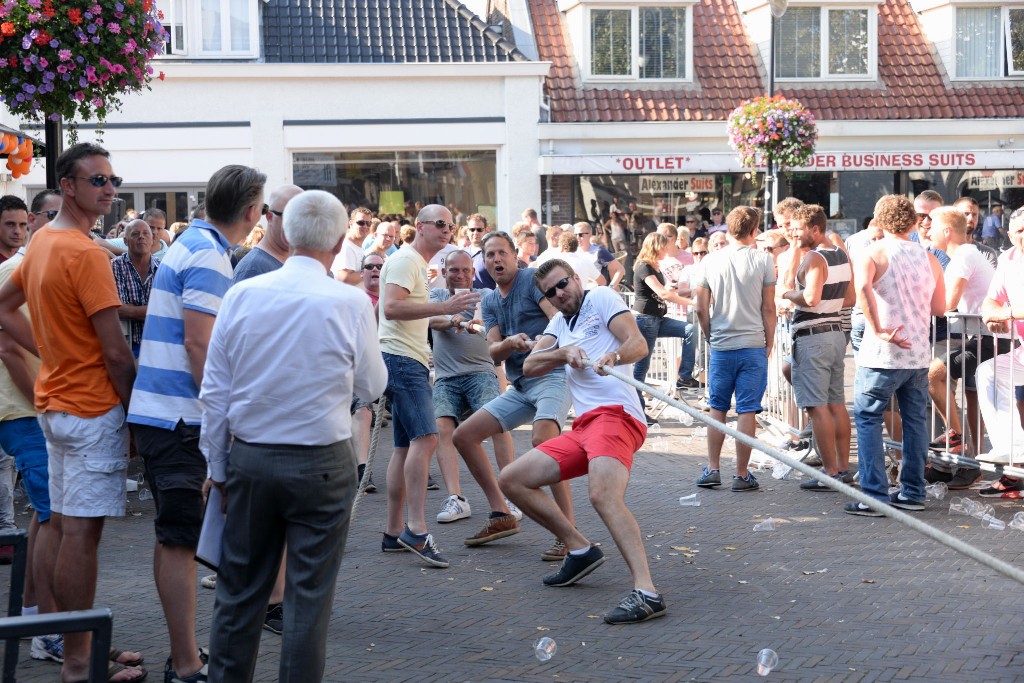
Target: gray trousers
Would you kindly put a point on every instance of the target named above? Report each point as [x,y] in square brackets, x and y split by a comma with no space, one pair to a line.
[301,495]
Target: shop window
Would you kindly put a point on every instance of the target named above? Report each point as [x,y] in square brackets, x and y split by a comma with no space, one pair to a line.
[989,42]
[211,28]
[826,43]
[401,183]
[646,43]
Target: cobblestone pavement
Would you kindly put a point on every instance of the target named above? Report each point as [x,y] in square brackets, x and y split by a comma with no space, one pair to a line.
[839,598]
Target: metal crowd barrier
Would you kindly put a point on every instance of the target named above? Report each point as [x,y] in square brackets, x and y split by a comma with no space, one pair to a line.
[99,621]
[970,331]
[780,414]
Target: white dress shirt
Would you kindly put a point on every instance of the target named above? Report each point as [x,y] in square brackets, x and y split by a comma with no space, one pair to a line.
[288,351]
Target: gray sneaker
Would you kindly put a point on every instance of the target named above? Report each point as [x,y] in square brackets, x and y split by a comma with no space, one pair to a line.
[709,478]
[748,484]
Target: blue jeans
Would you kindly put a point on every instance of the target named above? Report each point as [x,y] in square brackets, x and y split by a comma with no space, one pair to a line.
[873,388]
[653,327]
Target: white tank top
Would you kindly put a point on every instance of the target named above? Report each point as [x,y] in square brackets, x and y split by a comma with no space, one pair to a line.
[903,296]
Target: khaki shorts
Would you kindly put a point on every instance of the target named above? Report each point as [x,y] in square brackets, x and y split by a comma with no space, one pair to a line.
[88,461]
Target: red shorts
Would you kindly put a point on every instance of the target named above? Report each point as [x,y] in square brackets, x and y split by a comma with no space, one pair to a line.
[606,431]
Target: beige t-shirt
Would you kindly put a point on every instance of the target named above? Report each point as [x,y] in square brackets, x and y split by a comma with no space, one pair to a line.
[13,404]
[407,269]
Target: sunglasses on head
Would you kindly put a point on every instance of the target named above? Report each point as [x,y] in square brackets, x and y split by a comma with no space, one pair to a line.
[50,215]
[561,284]
[100,180]
[373,266]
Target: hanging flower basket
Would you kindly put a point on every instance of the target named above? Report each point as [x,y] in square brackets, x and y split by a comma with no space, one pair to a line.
[774,127]
[64,59]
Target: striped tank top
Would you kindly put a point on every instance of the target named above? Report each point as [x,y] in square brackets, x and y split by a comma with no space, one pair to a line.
[829,309]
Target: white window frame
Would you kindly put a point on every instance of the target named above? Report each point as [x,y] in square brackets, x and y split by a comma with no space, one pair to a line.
[823,74]
[1007,47]
[192,49]
[634,74]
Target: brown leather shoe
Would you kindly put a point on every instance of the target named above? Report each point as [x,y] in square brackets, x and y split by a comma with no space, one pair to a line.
[494,528]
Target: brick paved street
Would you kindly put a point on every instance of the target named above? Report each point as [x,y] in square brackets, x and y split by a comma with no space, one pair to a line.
[891,605]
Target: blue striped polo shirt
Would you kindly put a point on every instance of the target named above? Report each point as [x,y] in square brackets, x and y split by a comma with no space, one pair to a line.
[194,274]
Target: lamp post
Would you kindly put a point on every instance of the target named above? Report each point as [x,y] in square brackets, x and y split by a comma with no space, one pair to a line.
[778,9]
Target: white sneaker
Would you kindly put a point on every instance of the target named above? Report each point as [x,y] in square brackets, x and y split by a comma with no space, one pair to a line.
[516,512]
[453,510]
[209,582]
[48,647]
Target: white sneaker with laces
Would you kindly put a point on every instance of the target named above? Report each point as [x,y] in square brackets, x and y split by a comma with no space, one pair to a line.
[48,647]
[516,512]
[453,510]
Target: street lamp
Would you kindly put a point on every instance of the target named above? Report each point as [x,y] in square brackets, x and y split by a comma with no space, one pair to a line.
[778,9]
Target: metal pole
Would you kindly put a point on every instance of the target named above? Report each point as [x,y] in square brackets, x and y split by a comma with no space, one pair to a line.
[769,174]
[54,137]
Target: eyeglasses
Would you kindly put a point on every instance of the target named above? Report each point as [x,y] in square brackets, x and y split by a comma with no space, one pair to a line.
[100,180]
[51,214]
[267,209]
[373,266]
[439,224]
[699,253]
[476,229]
[363,224]
[582,234]
[924,217]
[690,222]
[561,284]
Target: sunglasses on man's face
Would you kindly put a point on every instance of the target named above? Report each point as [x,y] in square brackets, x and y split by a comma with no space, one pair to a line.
[439,224]
[363,224]
[50,215]
[100,180]
[561,284]
[373,266]
[475,229]
[700,253]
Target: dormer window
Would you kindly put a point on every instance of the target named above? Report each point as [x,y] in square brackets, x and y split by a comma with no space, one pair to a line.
[832,43]
[648,40]
[988,41]
[215,29]
[640,43]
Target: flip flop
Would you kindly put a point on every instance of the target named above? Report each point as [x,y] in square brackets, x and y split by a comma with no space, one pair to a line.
[116,668]
[115,656]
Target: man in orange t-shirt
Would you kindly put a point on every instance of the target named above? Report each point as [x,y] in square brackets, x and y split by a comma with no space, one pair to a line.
[84,381]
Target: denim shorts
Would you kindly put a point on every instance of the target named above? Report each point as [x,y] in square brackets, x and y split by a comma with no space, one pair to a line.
[88,460]
[461,396]
[23,439]
[740,371]
[410,394]
[531,399]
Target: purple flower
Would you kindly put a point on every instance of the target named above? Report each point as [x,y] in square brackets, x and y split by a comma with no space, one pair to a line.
[64,55]
[118,7]
[96,40]
[35,3]
[91,28]
[114,28]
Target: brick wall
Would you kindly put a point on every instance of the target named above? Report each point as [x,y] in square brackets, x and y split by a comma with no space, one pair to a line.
[561,197]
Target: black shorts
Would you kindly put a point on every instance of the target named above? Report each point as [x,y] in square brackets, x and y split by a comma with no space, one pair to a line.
[964,362]
[176,472]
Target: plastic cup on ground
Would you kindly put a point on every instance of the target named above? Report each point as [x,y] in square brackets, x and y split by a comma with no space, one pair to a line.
[993,522]
[1017,522]
[545,648]
[956,506]
[766,525]
[938,490]
[766,661]
[690,501]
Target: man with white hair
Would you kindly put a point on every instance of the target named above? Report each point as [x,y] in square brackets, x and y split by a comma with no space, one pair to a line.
[289,335]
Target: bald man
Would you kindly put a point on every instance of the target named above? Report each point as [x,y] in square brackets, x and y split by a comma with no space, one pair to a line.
[404,312]
[272,250]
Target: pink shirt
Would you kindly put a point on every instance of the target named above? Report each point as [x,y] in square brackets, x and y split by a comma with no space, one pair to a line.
[1008,283]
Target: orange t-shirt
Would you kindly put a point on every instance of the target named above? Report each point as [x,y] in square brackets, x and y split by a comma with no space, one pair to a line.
[66,279]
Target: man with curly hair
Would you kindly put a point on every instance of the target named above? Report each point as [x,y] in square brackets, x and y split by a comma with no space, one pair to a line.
[899,287]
